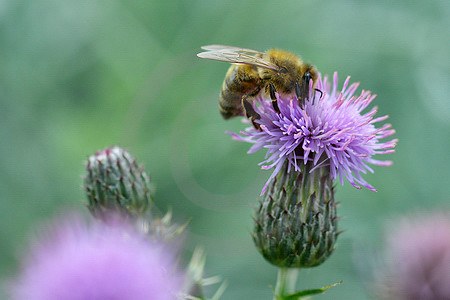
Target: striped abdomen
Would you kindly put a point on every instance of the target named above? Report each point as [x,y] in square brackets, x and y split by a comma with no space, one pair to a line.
[240,80]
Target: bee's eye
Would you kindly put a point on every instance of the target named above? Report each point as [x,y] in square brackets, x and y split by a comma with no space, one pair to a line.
[306,77]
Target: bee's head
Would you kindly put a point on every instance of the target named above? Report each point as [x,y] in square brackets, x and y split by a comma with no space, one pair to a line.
[302,85]
[309,73]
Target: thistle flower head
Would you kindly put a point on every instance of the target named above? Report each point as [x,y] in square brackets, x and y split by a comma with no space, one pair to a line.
[417,259]
[100,261]
[296,223]
[329,130]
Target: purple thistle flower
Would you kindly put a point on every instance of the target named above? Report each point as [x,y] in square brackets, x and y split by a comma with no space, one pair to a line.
[418,259]
[327,131]
[97,262]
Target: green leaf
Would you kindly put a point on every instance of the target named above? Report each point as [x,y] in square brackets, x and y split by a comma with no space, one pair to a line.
[305,293]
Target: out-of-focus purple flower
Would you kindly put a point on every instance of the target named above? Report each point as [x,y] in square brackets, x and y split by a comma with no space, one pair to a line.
[418,260]
[330,130]
[99,261]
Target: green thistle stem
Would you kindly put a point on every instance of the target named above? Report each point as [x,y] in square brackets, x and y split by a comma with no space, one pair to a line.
[286,281]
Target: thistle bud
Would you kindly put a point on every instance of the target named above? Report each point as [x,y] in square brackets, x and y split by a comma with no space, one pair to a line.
[115,183]
[296,223]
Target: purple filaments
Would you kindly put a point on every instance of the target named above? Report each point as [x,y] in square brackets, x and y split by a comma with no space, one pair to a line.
[327,131]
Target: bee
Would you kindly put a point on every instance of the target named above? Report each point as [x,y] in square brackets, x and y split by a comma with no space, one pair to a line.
[253,72]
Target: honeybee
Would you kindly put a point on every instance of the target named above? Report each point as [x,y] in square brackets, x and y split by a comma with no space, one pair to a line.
[253,72]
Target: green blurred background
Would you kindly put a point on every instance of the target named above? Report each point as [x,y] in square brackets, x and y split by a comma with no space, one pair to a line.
[78,76]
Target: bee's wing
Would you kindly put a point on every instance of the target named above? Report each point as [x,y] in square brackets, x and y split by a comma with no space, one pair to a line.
[223,47]
[236,56]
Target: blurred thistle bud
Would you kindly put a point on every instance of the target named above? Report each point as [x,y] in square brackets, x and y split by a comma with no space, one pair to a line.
[296,223]
[195,282]
[161,229]
[116,184]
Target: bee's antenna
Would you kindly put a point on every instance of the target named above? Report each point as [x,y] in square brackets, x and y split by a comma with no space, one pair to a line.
[321,95]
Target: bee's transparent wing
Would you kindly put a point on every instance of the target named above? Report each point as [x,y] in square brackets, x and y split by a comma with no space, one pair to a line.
[231,48]
[236,55]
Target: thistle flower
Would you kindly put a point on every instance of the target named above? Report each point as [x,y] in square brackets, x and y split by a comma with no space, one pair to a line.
[115,183]
[100,261]
[418,259]
[327,131]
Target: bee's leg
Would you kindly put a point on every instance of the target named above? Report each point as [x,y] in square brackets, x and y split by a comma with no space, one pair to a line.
[272,91]
[302,88]
[250,112]
[298,93]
